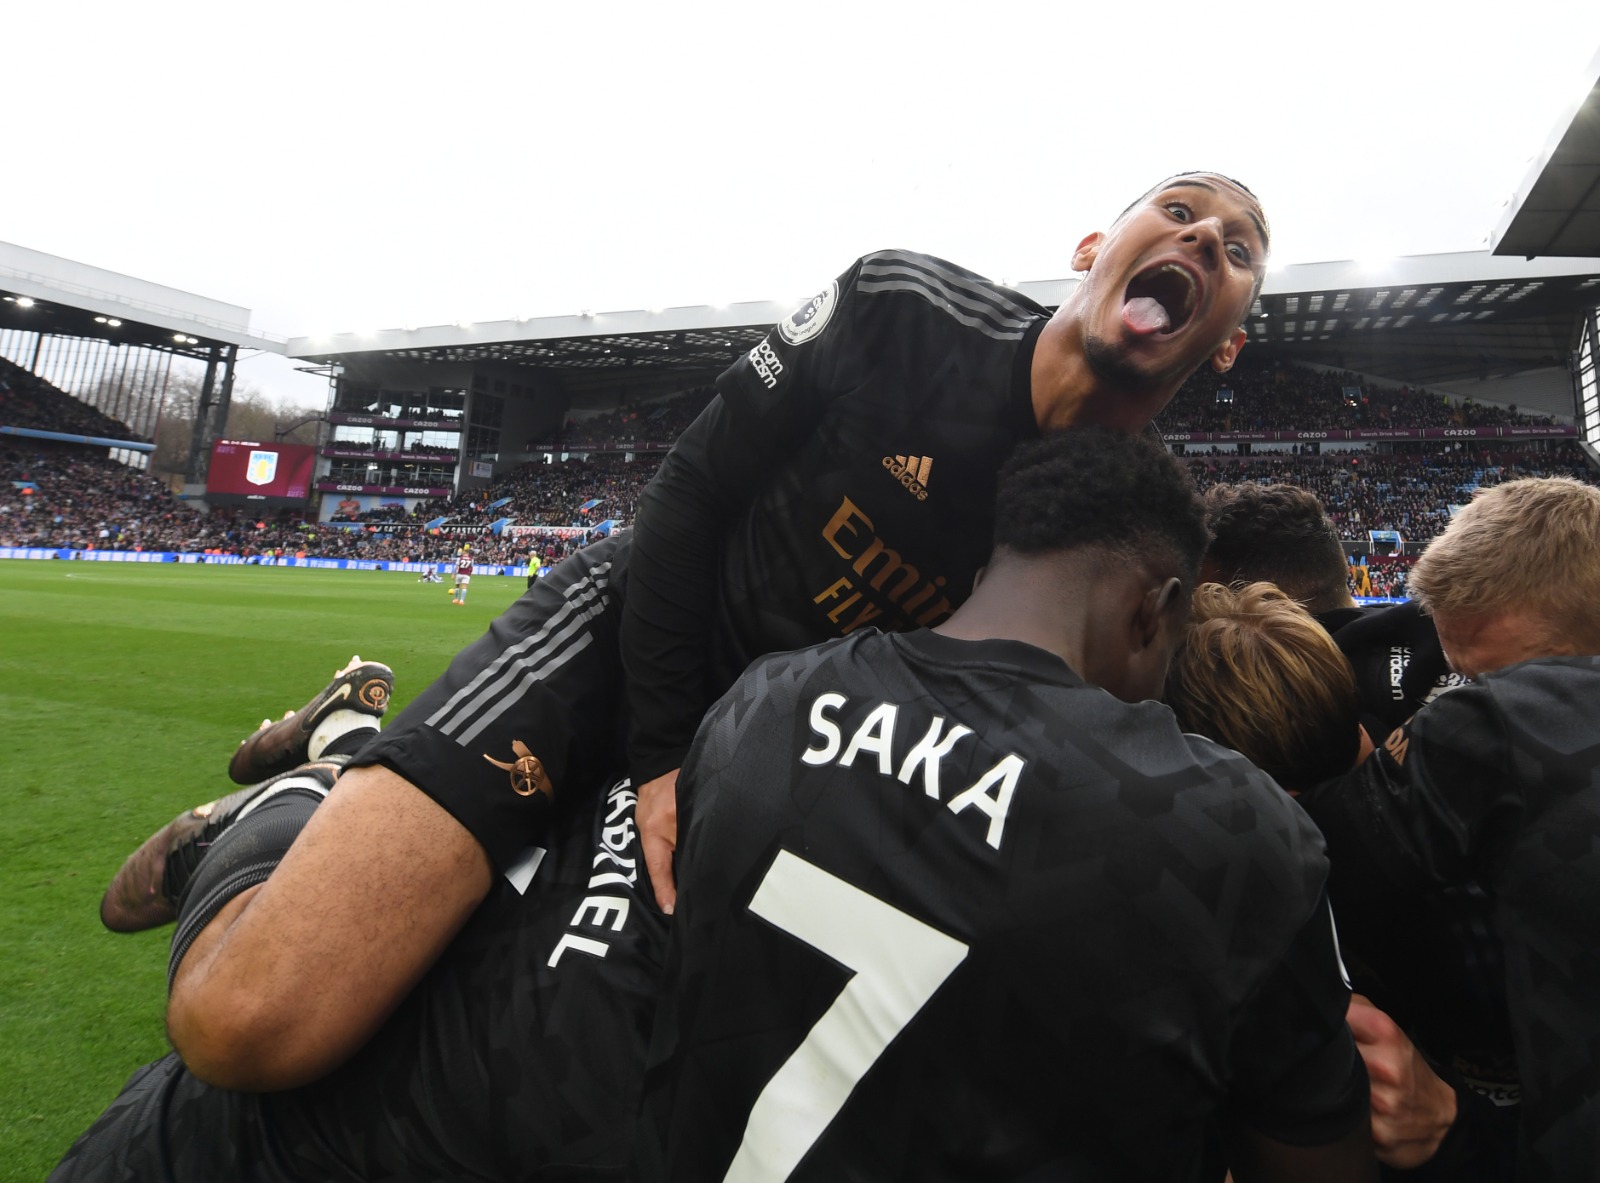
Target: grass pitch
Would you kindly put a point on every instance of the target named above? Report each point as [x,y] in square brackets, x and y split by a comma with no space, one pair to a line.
[124,688]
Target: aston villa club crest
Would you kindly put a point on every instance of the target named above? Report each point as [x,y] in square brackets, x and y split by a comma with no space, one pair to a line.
[263,467]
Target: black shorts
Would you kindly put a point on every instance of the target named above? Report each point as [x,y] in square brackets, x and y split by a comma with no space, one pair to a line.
[520,1054]
[546,679]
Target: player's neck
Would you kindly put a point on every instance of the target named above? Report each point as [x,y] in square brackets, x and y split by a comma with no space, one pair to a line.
[1031,604]
[1067,392]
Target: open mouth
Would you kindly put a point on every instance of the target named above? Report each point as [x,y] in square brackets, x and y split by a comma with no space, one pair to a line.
[1160,300]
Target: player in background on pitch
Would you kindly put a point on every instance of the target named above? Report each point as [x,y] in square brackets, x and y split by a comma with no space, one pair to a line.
[844,476]
[458,589]
[963,903]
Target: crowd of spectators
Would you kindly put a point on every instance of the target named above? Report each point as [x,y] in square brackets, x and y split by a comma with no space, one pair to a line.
[1385,576]
[1271,396]
[29,401]
[70,497]
[379,447]
[1408,493]
[63,495]
[639,424]
[66,496]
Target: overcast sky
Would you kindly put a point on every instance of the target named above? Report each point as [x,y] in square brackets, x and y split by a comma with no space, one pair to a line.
[341,166]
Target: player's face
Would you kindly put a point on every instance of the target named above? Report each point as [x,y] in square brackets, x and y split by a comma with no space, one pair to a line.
[1170,284]
[1481,644]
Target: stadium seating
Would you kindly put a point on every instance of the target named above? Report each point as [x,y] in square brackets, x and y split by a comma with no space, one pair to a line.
[80,498]
[30,401]
[1269,396]
[1408,493]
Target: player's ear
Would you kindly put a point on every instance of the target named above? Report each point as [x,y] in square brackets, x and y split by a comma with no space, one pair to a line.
[978,578]
[1088,251]
[1223,357]
[1158,603]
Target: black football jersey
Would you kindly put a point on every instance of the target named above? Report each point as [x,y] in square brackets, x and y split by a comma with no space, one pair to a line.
[843,477]
[946,912]
[1398,663]
[1432,962]
[1497,783]
[519,1056]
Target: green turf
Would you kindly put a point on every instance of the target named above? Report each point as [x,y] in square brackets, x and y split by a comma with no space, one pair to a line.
[123,690]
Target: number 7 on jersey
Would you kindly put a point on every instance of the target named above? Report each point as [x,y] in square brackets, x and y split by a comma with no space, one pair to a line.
[898,964]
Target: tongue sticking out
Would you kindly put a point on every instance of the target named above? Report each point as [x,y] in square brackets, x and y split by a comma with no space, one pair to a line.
[1145,315]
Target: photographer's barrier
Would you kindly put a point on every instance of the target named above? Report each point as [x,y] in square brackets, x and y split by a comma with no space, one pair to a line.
[167,556]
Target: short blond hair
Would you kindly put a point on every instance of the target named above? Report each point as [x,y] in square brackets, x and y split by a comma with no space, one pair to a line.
[1257,673]
[1531,546]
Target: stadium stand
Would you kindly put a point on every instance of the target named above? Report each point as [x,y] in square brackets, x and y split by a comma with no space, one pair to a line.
[65,496]
[1408,493]
[1266,394]
[30,401]
[647,425]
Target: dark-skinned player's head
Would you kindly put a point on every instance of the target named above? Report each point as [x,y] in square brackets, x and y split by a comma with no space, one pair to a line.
[1102,489]
[1170,283]
[1256,673]
[1098,524]
[1279,534]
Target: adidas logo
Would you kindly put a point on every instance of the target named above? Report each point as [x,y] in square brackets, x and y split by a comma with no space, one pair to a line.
[911,472]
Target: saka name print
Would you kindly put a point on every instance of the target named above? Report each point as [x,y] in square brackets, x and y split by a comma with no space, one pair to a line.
[875,737]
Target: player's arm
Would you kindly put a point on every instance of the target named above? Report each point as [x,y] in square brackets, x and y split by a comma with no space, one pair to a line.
[1424,809]
[1298,1104]
[1253,1157]
[768,402]
[292,977]
[1413,1109]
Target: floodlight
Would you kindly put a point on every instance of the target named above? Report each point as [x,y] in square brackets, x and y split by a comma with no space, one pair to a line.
[24,301]
[99,320]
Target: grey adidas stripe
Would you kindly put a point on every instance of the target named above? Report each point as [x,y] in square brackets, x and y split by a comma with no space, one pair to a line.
[966,284]
[946,304]
[524,682]
[529,660]
[993,319]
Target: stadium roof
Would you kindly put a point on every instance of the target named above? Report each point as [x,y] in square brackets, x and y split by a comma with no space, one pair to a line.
[48,294]
[1424,319]
[1556,209]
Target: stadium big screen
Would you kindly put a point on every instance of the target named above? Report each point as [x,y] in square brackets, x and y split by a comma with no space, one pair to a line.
[269,475]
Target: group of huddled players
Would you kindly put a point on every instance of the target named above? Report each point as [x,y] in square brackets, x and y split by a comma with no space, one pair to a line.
[828,824]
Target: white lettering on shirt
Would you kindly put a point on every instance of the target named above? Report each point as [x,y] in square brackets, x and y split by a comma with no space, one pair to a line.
[990,795]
